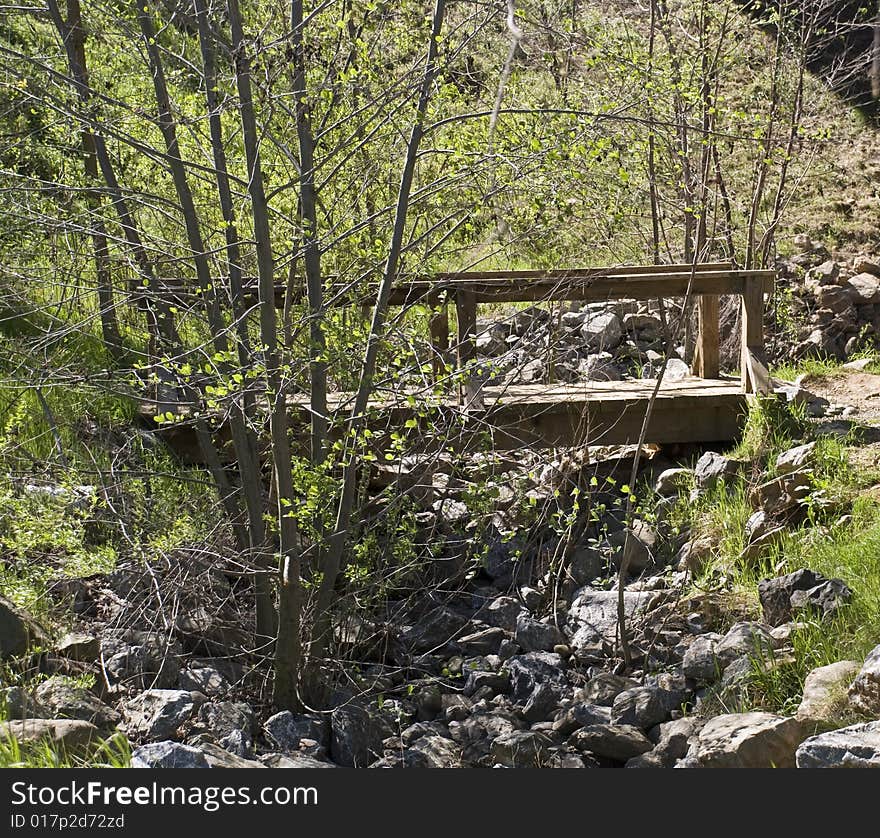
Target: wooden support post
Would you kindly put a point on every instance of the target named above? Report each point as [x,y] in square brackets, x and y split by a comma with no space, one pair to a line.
[439,326]
[466,310]
[755,378]
[706,363]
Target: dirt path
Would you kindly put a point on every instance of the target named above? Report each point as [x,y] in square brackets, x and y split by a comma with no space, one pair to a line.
[861,390]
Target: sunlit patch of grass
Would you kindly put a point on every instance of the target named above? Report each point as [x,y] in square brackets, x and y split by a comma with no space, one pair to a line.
[114,752]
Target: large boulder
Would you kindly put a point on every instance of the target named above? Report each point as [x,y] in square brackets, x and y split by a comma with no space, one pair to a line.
[536,636]
[68,702]
[592,619]
[804,590]
[287,730]
[672,738]
[432,752]
[538,684]
[18,630]
[746,740]
[857,746]
[521,749]
[68,735]
[355,736]
[644,707]
[141,659]
[154,715]
[825,693]
[714,468]
[615,742]
[864,693]
[168,754]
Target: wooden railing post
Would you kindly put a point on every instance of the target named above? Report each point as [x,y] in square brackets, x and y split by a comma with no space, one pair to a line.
[438,324]
[755,378]
[706,359]
[466,311]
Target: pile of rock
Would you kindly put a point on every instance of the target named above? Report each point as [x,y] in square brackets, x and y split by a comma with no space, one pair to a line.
[836,301]
[594,342]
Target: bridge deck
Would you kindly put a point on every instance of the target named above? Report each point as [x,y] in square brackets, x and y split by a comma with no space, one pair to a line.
[587,412]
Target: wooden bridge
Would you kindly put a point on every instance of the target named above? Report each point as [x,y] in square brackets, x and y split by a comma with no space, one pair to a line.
[703,407]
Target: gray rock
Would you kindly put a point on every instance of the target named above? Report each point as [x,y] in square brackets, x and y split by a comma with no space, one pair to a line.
[294,761]
[747,740]
[521,749]
[601,331]
[676,370]
[599,367]
[225,718]
[864,289]
[503,612]
[154,715]
[433,752]
[642,707]
[616,742]
[713,468]
[218,757]
[579,715]
[592,619]
[603,688]
[286,730]
[238,742]
[743,638]
[695,555]
[535,636]
[478,679]
[140,659]
[804,590]
[434,631]
[18,631]
[79,646]
[857,746]
[700,661]
[69,735]
[68,702]
[864,692]
[168,755]
[636,545]
[538,683]
[485,642]
[673,739]
[783,493]
[673,480]
[353,736]
[18,703]
[585,564]
[825,692]
[203,679]
[795,458]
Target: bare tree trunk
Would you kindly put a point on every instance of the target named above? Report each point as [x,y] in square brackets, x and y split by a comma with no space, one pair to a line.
[159,316]
[336,547]
[312,254]
[103,274]
[287,646]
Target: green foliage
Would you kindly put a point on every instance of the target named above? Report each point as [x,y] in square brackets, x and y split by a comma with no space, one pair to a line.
[114,752]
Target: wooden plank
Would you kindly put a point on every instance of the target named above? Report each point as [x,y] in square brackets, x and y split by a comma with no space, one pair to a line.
[706,359]
[592,288]
[755,377]
[563,273]
[577,285]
